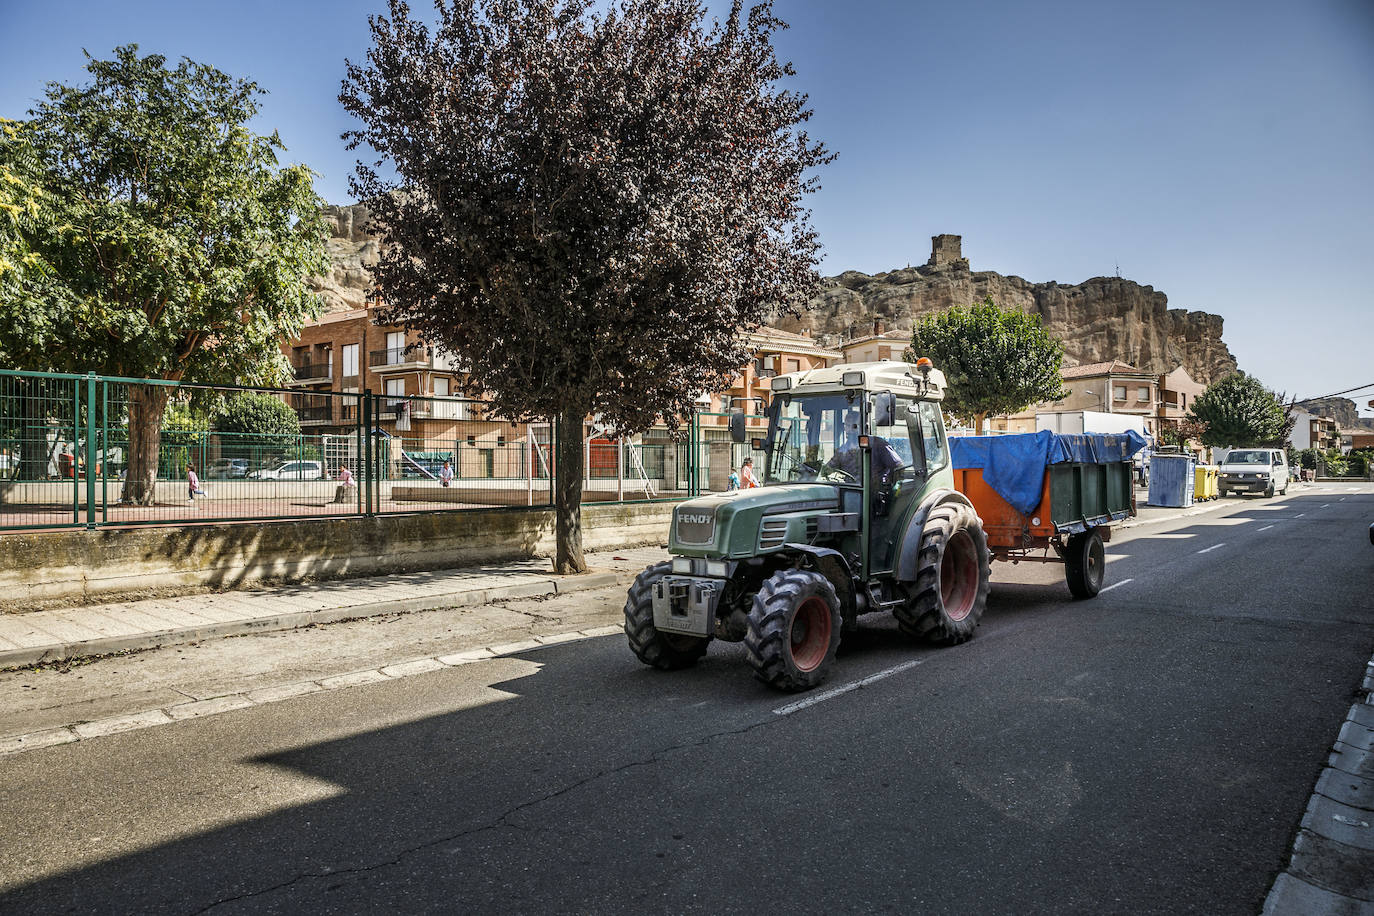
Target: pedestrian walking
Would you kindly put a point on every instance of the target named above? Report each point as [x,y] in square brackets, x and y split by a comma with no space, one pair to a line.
[732,483]
[446,475]
[746,474]
[193,488]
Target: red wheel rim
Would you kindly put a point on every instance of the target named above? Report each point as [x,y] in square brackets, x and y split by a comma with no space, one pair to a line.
[810,634]
[959,576]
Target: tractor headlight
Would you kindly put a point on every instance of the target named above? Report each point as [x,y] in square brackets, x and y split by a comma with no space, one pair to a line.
[682,566]
[717,569]
[852,380]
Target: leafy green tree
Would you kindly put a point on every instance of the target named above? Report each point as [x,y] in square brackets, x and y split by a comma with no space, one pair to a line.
[22,205]
[592,201]
[175,247]
[271,424]
[996,360]
[1240,412]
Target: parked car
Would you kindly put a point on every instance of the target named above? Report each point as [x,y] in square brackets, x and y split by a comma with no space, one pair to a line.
[291,470]
[227,468]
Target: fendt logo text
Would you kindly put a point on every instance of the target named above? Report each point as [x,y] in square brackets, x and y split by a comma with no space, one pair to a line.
[694,519]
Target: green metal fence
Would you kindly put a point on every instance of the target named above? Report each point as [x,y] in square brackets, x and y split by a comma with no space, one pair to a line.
[88,450]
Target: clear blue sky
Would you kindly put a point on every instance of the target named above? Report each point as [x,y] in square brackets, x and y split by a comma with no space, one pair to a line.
[1221,152]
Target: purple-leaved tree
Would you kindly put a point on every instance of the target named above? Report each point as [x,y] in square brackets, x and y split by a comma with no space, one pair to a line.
[588,206]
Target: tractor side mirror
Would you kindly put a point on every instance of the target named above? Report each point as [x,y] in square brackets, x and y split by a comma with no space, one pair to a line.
[884,408]
[738,430]
[756,444]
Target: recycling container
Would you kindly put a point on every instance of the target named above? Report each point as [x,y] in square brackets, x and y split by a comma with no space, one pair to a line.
[1204,482]
[1172,480]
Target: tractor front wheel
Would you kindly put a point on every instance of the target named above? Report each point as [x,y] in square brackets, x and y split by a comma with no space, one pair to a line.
[794,629]
[949,595]
[665,651]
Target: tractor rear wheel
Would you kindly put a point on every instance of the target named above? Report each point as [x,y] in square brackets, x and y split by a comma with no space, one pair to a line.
[947,599]
[665,651]
[794,629]
[1084,563]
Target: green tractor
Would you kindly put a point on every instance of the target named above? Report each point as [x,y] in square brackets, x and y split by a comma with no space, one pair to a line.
[856,514]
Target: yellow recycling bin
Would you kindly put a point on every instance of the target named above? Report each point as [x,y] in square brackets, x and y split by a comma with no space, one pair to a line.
[1204,482]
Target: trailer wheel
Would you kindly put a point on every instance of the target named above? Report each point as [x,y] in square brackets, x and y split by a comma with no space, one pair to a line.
[1084,563]
[794,629]
[664,651]
[947,599]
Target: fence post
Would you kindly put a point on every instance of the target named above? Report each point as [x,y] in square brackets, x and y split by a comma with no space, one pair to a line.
[76,451]
[367,468]
[620,469]
[104,450]
[90,450]
[694,456]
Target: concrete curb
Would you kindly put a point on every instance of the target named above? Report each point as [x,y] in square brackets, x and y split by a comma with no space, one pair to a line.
[477,595]
[1331,867]
[262,696]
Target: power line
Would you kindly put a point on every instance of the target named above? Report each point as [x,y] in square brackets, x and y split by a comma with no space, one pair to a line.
[1339,393]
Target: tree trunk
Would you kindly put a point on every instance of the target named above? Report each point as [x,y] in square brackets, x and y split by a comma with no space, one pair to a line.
[980,423]
[146,406]
[568,557]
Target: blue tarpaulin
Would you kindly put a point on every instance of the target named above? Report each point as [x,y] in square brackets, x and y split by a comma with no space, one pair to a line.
[1014,466]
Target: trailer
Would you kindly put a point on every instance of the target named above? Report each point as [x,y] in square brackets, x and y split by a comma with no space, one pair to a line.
[1050,498]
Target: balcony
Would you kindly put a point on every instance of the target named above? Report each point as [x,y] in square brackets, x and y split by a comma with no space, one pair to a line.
[399,359]
[313,373]
[315,415]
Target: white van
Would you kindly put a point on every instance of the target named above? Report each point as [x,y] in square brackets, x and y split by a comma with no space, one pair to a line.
[1253,470]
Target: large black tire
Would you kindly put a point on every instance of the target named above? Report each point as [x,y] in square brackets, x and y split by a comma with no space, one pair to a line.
[1085,561]
[794,629]
[665,651]
[950,593]
[1269,493]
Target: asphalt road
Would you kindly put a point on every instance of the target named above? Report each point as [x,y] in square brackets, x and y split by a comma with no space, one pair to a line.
[1151,750]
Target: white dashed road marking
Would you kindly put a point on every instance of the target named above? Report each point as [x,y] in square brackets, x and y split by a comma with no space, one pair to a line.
[1213,547]
[1115,585]
[1266,527]
[845,688]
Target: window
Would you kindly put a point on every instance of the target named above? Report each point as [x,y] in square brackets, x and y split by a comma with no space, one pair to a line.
[884,353]
[395,387]
[395,347]
[1119,392]
[794,365]
[933,437]
[350,360]
[1142,393]
[441,387]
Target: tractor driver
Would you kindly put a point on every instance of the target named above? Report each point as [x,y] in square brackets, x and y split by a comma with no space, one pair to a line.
[886,460]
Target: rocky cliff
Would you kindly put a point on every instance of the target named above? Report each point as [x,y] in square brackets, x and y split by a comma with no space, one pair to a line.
[1098,320]
[352,253]
[1342,410]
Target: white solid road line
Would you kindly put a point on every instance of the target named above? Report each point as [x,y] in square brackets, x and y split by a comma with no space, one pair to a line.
[1213,547]
[1266,527]
[845,688]
[1300,515]
[1115,585]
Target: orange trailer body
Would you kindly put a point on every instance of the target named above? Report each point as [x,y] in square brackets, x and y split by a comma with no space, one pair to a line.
[1005,526]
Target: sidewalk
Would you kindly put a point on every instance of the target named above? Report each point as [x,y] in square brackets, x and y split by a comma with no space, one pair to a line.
[100,629]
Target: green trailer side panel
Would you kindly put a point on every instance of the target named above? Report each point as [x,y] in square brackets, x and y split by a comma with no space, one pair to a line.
[1088,491]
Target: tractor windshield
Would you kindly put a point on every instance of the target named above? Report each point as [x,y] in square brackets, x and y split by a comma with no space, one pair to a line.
[805,432]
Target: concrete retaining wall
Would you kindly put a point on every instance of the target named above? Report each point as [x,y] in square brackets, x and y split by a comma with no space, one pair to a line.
[81,565]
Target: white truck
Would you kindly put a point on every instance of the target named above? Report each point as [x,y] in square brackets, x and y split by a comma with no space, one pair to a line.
[1077,422]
